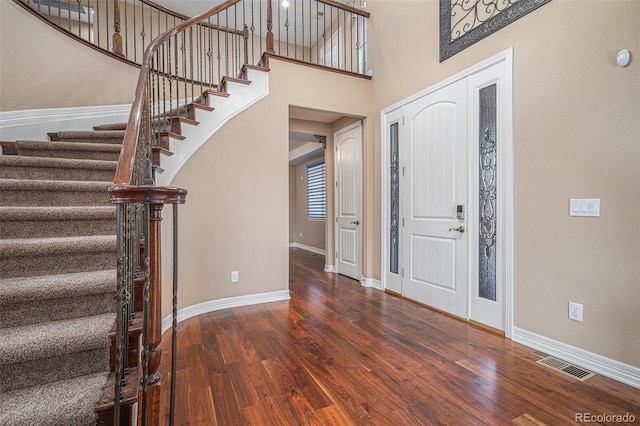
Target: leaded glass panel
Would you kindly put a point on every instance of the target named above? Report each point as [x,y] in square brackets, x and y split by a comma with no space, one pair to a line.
[394,174]
[487,201]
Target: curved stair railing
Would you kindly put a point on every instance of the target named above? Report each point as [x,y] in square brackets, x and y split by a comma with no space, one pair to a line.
[165,97]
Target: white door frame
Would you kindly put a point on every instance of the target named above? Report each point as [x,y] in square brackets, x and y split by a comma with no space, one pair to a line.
[504,181]
[359,204]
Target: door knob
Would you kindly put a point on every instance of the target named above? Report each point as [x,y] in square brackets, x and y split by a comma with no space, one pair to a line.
[459,229]
[357,222]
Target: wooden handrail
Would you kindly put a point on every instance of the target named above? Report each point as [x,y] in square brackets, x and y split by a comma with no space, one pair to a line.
[346,7]
[124,171]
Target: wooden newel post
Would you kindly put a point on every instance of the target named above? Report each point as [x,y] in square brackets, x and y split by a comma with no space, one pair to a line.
[270,41]
[152,408]
[117,37]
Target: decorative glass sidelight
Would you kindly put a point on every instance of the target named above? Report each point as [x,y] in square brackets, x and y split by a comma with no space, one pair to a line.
[394,239]
[487,202]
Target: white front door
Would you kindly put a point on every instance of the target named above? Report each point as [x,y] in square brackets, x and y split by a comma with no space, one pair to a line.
[348,200]
[434,161]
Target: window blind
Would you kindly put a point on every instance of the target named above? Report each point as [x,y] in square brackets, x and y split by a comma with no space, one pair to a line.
[316,191]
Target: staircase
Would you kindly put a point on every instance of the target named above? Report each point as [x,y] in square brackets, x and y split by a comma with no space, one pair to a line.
[58,277]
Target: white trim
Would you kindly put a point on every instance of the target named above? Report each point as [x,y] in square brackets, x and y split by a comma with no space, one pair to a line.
[608,367]
[226,303]
[330,268]
[242,96]
[34,124]
[308,248]
[371,282]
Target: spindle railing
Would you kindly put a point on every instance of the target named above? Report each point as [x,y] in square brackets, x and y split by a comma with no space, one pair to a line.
[325,33]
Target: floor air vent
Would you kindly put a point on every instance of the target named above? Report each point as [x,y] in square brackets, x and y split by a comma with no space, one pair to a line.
[566,368]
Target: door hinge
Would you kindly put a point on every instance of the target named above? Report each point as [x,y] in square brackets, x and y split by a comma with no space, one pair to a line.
[402,170]
[402,272]
[336,255]
[336,220]
[403,221]
[403,120]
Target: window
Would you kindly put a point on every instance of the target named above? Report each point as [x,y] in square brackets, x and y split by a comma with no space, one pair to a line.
[316,191]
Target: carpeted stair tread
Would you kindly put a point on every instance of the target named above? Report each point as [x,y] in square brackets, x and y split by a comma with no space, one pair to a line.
[46,246]
[28,257]
[66,402]
[57,221]
[25,289]
[45,340]
[91,136]
[47,185]
[40,192]
[57,213]
[27,167]
[111,126]
[79,150]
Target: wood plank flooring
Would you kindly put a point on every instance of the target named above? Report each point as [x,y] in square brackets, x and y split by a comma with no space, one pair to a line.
[341,354]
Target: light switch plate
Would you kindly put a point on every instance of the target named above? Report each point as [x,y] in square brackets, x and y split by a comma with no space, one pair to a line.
[584,207]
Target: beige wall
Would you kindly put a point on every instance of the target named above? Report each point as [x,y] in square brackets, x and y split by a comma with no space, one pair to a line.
[237,212]
[576,135]
[42,68]
[310,232]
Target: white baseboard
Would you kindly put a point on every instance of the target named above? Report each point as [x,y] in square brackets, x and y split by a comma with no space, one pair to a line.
[608,367]
[370,282]
[308,248]
[329,268]
[228,302]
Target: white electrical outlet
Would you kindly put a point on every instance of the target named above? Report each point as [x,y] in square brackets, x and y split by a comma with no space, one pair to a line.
[575,311]
[234,276]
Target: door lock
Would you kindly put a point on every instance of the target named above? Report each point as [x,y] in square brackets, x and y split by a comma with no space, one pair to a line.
[459,229]
[357,222]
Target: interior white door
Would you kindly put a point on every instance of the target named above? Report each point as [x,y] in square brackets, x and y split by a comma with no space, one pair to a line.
[348,200]
[435,173]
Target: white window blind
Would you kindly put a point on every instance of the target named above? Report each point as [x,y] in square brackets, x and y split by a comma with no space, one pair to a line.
[316,191]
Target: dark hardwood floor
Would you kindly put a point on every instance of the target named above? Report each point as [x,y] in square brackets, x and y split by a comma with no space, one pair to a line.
[341,354]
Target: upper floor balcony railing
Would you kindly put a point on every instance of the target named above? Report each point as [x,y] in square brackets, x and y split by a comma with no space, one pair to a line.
[326,33]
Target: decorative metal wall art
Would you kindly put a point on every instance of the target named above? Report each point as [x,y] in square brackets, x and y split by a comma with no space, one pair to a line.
[487,194]
[464,22]
[394,237]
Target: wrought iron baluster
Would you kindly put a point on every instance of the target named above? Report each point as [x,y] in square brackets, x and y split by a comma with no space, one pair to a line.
[219,57]
[191,63]
[226,43]
[174,317]
[286,26]
[183,48]
[252,28]
[145,333]
[210,52]
[143,33]
[135,37]
[260,25]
